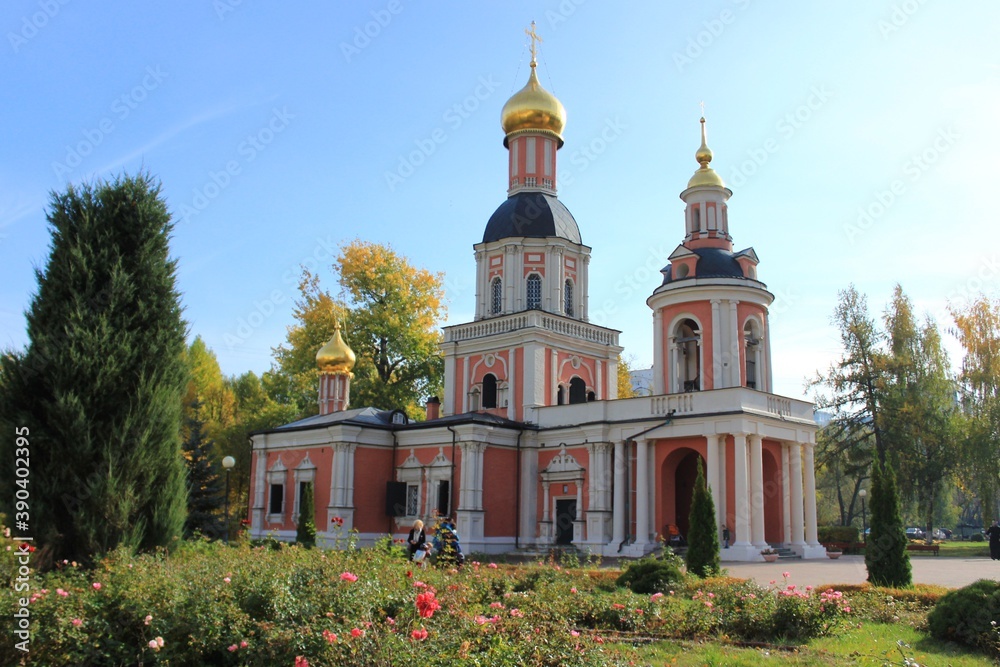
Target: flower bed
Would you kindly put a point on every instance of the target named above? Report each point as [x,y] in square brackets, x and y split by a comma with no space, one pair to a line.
[242,605]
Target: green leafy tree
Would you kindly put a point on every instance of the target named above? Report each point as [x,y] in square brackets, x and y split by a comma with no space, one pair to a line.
[205,492]
[885,554]
[978,329]
[702,557]
[100,384]
[305,532]
[389,312]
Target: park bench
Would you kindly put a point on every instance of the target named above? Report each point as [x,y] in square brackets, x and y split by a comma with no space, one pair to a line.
[924,547]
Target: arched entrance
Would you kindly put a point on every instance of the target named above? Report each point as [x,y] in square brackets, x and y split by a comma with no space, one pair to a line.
[773,521]
[677,475]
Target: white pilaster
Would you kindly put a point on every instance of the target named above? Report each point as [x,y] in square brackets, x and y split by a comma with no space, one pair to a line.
[742,536]
[757,491]
[618,518]
[584,288]
[723,478]
[795,486]
[736,341]
[641,493]
[511,386]
[658,368]
[712,464]
[808,465]
[786,501]
[717,381]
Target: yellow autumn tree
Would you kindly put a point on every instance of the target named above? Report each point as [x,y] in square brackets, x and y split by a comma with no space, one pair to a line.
[390,313]
[625,389]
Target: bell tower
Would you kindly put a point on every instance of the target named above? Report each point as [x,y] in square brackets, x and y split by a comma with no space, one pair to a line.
[531,344]
[710,321]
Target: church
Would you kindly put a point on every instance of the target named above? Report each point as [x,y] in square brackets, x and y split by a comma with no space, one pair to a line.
[530,446]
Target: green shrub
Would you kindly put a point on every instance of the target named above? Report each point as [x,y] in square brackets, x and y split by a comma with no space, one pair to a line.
[651,576]
[837,534]
[976,538]
[969,615]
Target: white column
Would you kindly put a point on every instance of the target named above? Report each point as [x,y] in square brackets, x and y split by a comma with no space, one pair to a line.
[808,465]
[599,387]
[723,493]
[555,381]
[736,342]
[786,502]
[583,289]
[521,291]
[641,493]
[511,386]
[717,381]
[545,501]
[481,288]
[659,371]
[450,398]
[712,472]
[510,279]
[757,491]
[795,486]
[618,516]
[558,278]
[742,537]
[765,373]
[463,391]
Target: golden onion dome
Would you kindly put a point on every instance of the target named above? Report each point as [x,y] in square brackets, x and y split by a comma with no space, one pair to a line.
[705,174]
[533,108]
[336,356]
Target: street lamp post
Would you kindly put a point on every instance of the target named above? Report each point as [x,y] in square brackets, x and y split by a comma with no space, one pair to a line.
[864,517]
[228,462]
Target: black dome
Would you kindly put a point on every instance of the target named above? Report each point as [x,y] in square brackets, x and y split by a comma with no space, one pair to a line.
[712,263]
[532,214]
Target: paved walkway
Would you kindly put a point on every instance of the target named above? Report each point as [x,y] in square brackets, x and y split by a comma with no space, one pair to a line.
[950,572]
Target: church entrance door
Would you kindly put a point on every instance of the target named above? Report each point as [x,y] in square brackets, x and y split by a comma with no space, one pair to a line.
[565,516]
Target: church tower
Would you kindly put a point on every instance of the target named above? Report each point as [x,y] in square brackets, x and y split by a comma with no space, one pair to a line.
[335,361]
[531,344]
[710,325]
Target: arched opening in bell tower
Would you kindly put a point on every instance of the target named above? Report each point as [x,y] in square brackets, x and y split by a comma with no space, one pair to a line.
[753,345]
[687,352]
[577,390]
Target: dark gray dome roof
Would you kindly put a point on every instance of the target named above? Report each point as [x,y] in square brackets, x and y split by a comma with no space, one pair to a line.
[712,263]
[532,214]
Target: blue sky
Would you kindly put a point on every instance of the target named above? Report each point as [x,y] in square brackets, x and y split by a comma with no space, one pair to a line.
[858,139]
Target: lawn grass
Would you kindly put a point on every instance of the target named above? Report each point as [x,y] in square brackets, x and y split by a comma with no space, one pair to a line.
[964,549]
[870,644]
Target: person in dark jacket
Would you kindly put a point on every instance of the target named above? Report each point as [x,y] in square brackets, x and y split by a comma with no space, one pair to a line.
[993,532]
[416,538]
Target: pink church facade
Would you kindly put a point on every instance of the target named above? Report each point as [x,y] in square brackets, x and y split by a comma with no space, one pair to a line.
[530,446]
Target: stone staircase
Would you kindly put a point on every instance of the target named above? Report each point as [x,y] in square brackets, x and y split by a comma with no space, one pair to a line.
[785,553]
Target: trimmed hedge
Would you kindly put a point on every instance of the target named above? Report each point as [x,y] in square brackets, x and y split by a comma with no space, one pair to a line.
[969,616]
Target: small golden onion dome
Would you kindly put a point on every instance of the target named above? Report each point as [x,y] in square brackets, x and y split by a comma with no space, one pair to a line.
[705,174]
[336,356]
[533,108]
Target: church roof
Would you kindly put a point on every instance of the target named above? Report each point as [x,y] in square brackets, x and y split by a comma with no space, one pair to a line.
[712,263]
[532,214]
[373,417]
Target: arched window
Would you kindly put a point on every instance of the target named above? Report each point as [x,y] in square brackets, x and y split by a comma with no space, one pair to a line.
[687,356]
[751,336]
[568,297]
[561,396]
[591,396]
[489,391]
[577,391]
[534,291]
[496,303]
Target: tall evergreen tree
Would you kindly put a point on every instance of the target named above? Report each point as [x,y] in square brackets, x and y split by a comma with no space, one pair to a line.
[702,556]
[305,532]
[205,488]
[885,554]
[100,383]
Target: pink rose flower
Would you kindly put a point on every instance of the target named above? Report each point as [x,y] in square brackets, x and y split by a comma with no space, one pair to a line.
[347,576]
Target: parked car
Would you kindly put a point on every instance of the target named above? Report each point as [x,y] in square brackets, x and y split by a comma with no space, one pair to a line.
[941,534]
[914,534]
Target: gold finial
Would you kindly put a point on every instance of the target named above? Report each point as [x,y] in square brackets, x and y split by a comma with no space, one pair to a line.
[535,40]
[704,154]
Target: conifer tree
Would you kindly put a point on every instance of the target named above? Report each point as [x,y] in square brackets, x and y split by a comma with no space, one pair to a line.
[702,556]
[204,484]
[305,533]
[100,384]
[885,554]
